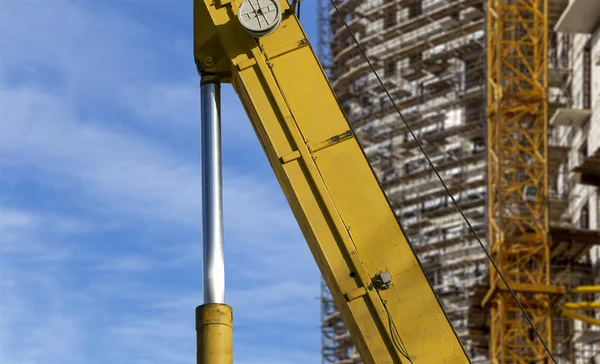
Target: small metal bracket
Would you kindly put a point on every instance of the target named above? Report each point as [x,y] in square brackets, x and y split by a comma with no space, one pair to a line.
[331,141]
[221,3]
[292,9]
[289,157]
[354,294]
[382,281]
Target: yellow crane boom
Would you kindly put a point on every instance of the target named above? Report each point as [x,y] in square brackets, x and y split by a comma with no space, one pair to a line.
[375,278]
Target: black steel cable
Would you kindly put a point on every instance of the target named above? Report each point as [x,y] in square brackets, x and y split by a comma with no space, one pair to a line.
[513,294]
[396,339]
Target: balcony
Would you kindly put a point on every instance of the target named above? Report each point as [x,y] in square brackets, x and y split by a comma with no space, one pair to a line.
[343,4]
[589,168]
[569,244]
[580,16]
[555,10]
[357,24]
[570,117]
[587,337]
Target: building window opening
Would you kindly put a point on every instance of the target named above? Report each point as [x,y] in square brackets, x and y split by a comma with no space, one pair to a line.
[584,217]
[390,19]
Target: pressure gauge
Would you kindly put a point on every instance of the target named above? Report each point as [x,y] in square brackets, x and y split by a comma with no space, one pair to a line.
[259,17]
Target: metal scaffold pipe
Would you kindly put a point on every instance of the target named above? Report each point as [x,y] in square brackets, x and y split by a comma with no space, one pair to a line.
[212,201]
[214,320]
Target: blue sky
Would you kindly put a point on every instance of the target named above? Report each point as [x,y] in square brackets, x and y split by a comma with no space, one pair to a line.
[100,240]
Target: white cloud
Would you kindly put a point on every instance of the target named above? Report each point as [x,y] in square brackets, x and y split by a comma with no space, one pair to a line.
[40,321]
[130,264]
[15,218]
[20,238]
[18,219]
[113,170]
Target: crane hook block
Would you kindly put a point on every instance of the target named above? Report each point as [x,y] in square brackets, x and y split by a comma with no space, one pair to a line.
[259,17]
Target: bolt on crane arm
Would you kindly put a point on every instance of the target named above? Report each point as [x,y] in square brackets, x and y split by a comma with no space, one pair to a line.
[374,276]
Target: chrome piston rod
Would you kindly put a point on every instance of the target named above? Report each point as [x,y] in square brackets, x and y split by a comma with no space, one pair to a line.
[212,200]
[214,319]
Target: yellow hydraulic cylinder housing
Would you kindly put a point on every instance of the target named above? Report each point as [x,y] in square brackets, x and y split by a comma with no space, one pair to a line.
[214,329]
[374,276]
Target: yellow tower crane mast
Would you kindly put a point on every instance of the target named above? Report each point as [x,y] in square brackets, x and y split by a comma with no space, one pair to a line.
[517,107]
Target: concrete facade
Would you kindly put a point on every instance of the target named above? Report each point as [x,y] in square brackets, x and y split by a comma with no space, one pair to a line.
[578,32]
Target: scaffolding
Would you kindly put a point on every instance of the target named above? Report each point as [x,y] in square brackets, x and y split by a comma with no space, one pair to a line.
[431,56]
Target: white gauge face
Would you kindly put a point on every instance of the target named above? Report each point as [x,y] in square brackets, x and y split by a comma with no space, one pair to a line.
[259,17]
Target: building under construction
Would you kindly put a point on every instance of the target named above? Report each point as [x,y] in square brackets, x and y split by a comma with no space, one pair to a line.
[432,57]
